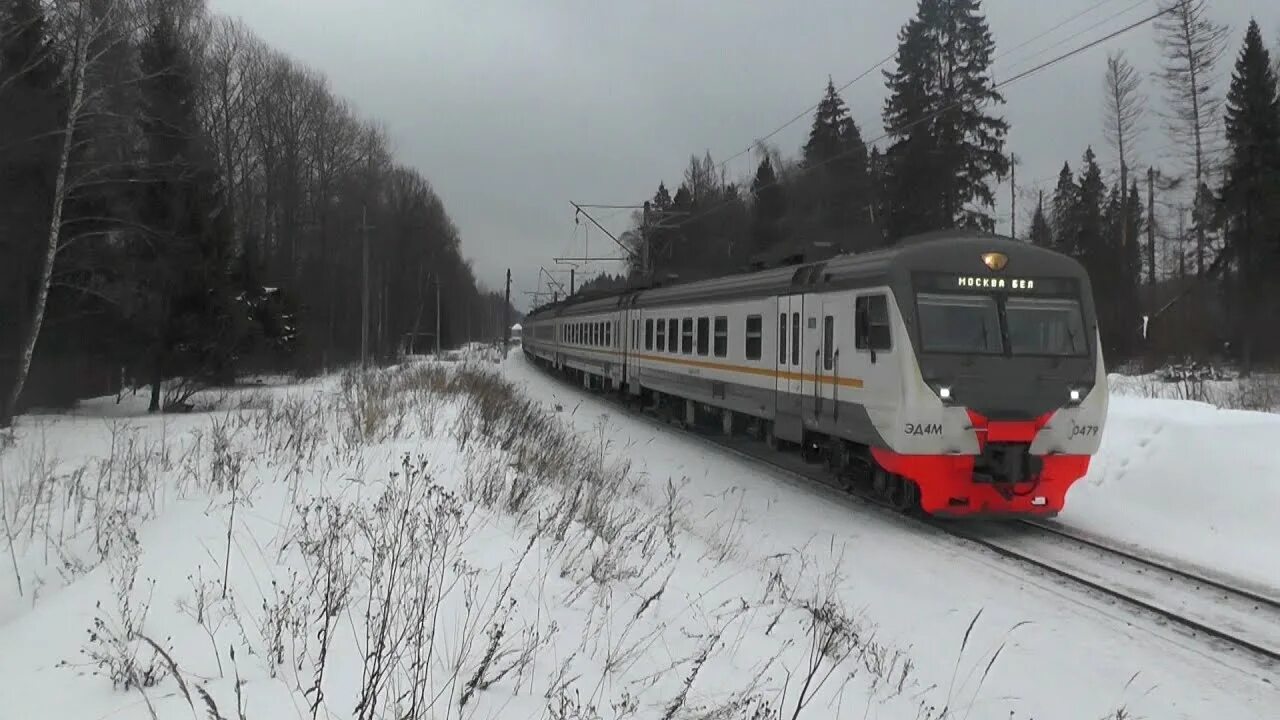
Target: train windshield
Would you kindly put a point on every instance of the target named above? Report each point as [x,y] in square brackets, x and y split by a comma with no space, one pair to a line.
[959,323]
[988,324]
[1045,326]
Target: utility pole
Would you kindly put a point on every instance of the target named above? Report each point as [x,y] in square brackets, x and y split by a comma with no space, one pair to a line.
[1151,226]
[572,286]
[1182,236]
[364,301]
[1013,196]
[646,251]
[437,279]
[506,317]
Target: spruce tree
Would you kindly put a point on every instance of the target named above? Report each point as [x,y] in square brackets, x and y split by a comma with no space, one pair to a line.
[1252,193]
[1089,244]
[837,155]
[1090,234]
[191,316]
[945,144]
[1062,220]
[1041,233]
[768,207]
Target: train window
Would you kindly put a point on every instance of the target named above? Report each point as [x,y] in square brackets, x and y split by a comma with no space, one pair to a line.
[662,335]
[795,338]
[686,336]
[828,341]
[1045,326]
[673,335]
[959,323]
[871,313]
[721,348]
[782,338]
[608,334]
[648,334]
[704,336]
[753,336]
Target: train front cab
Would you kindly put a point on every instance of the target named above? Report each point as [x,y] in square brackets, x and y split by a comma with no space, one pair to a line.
[1011,368]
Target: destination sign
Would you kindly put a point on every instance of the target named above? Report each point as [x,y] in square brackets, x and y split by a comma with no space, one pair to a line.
[995,283]
[1040,286]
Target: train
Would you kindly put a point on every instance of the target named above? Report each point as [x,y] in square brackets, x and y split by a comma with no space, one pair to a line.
[955,374]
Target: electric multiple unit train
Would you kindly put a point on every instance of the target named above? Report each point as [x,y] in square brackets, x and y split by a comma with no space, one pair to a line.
[955,374]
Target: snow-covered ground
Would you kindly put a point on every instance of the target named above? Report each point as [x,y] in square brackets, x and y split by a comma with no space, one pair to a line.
[1189,482]
[428,543]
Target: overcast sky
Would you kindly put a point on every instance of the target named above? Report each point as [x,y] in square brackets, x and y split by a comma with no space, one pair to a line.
[512,108]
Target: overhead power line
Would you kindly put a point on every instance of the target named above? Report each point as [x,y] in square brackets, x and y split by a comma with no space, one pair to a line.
[1004,83]
[1057,27]
[805,113]
[1077,34]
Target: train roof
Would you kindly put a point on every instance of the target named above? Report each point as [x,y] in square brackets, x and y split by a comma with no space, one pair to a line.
[958,251]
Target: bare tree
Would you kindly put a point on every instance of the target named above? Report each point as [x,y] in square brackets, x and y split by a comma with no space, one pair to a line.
[1124,107]
[83,25]
[1192,44]
[230,74]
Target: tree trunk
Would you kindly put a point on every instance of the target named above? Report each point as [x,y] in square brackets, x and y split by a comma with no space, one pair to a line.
[27,349]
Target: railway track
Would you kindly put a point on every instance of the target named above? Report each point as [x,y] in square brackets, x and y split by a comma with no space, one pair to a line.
[1237,620]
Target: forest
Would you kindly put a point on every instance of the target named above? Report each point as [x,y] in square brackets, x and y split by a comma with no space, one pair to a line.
[180,204]
[1184,259]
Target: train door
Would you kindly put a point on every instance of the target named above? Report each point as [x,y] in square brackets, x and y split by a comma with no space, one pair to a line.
[873,357]
[790,402]
[828,361]
[811,354]
[791,345]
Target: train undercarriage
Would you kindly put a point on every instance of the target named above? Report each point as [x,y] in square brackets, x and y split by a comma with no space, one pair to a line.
[1004,481]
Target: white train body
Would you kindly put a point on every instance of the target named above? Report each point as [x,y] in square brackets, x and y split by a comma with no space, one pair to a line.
[887,362]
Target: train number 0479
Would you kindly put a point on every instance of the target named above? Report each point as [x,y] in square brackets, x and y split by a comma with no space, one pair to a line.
[1084,430]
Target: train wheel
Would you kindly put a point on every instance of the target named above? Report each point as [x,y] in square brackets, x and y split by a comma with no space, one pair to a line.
[837,456]
[770,438]
[881,482]
[905,495]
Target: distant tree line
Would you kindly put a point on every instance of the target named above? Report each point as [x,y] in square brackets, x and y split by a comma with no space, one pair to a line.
[1208,287]
[178,200]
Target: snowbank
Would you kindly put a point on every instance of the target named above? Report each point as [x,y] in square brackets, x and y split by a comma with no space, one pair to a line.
[1194,483]
[1021,645]
[428,542]
[408,543]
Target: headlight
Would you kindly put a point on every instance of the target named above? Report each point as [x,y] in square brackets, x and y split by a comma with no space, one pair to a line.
[1075,395]
[944,393]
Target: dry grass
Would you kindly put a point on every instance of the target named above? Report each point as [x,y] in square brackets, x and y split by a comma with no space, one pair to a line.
[1259,393]
[386,565]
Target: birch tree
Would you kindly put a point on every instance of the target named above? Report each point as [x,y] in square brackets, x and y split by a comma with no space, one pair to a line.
[83,24]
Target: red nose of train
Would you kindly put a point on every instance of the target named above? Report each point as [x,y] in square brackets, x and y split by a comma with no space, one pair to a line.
[1003,479]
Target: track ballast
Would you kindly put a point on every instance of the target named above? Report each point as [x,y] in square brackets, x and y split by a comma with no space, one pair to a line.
[1235,619]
